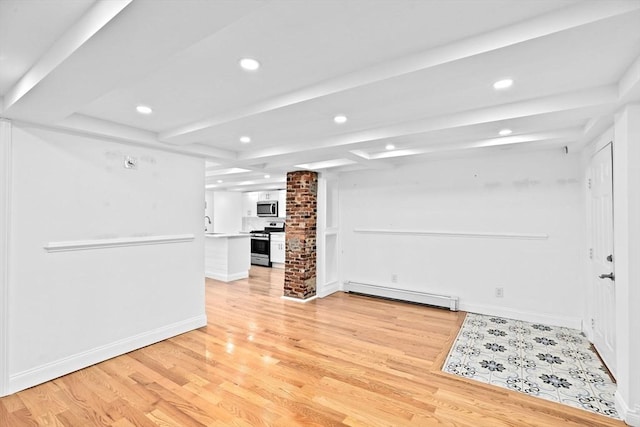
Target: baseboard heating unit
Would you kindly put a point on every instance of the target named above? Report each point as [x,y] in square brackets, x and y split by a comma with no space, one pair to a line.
[446,301]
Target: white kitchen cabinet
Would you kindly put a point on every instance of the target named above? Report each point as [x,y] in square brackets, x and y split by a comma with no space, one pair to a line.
[277,248]
[249,201]
[267,195]
[282,203]
[227,257]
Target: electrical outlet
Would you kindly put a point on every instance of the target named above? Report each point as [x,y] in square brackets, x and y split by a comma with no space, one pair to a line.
[499,292]
[394,278]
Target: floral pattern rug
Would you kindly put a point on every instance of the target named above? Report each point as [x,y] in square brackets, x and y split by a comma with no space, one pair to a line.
[548,362]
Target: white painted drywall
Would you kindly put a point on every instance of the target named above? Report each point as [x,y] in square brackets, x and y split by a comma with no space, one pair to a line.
[71,309]
[536,193]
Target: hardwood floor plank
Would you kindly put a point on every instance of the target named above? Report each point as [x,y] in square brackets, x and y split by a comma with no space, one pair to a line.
[13,402]
[262,361]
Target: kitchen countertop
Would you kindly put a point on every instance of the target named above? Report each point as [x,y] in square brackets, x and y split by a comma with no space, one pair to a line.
[226,235]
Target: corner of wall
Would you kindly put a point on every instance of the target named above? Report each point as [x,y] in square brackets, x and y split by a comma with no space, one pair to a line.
[631,416]
[5,222]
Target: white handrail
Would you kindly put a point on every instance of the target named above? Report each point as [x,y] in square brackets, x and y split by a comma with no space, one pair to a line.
[441,233]
[81,245]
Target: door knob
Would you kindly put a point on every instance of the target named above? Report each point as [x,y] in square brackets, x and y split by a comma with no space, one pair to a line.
[609,276]
[610,258]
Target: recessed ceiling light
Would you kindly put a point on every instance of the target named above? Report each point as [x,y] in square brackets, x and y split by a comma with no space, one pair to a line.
[389,147]
[267,176]
[505,132]
[340,119]
[143,109]
[245,139]
[220,181]
[503,84]
[249,64]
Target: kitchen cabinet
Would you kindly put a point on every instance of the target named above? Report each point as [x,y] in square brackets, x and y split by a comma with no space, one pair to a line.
[227,257]
[277,248]
[267,195]
[249,201]
[282,203]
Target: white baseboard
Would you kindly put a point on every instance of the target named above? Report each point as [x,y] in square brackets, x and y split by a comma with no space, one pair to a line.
[226,277]
[527,316]
[329,289]
[277,265]
[49,371]
[298,299]
[630,416]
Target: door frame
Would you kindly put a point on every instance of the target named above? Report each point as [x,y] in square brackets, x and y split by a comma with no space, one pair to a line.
[606,144]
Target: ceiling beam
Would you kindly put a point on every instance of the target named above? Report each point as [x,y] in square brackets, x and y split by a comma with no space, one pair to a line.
[101,13]
[97,128]
[74,74]
[564,19]
[629,85]
[595,97]
[563,135]
[365,160]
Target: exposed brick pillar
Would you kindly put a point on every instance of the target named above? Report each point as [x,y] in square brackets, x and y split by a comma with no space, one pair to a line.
[300,261]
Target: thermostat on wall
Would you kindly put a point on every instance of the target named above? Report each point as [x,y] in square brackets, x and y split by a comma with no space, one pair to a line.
[130,162]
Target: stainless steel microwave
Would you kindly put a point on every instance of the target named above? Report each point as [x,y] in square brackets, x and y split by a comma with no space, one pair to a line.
[267,208]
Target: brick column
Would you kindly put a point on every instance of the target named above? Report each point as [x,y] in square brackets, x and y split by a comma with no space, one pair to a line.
[300,260]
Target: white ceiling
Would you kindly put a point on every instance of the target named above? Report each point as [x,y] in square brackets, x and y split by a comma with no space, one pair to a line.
[417,74]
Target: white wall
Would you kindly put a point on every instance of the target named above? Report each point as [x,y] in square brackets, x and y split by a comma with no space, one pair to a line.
[535,193]
[70,309]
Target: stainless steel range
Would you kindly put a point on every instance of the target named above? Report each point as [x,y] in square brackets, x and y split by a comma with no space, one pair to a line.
[261,243]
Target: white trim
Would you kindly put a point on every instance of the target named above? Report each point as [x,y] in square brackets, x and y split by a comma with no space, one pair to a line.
[628,415]
[81,245]
[298,299]
[5,232]
[226,277]
[49,371]
[329,288]
[442,233]
[527,316]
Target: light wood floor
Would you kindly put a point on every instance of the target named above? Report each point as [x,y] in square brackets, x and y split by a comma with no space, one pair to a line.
[341,360]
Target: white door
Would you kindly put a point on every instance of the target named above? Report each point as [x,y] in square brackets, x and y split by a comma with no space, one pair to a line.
[602,257]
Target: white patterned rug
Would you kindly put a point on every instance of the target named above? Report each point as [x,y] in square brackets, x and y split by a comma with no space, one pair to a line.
[548,362]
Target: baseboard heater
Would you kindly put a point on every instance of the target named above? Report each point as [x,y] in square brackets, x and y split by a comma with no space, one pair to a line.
[404,295]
